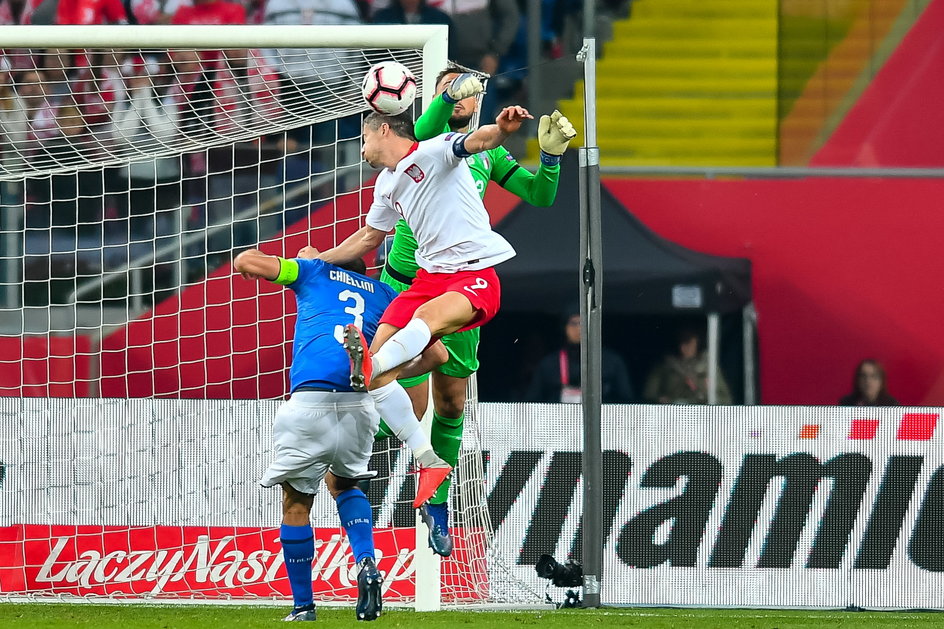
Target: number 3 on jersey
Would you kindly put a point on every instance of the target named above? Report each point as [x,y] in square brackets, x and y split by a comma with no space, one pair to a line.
[356,309]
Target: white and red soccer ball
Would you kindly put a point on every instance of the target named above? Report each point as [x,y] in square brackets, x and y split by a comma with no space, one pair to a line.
[389,88]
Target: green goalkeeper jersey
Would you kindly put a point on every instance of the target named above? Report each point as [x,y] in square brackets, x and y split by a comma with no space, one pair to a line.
[496,164]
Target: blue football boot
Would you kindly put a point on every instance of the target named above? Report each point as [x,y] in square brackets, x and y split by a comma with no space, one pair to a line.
[436,518]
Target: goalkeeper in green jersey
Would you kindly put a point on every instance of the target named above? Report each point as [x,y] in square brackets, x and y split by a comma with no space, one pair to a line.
[452,110]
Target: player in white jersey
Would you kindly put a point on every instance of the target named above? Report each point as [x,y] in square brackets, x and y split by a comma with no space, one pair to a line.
[429,185]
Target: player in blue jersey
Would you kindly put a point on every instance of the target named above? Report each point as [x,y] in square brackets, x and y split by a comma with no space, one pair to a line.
[325,430]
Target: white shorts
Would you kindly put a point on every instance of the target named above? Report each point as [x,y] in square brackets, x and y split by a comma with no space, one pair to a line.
[318,431]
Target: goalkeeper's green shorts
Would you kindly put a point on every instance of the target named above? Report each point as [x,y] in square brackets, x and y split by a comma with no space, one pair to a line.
[463,347]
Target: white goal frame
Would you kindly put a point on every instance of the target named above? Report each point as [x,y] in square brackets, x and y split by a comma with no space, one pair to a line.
[431,40]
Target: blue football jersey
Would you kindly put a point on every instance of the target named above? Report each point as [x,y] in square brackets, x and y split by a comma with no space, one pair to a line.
[329,298]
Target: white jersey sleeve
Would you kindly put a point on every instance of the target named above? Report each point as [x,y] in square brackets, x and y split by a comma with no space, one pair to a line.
[433,190]
[451,147]
[382,214]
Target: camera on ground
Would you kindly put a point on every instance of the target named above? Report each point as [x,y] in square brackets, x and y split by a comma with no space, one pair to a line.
[565,575]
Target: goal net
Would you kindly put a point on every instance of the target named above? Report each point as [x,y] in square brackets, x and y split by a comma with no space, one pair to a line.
[139,376]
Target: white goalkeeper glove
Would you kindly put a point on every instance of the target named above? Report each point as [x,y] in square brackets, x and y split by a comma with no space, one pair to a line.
[462,86]
[554,134]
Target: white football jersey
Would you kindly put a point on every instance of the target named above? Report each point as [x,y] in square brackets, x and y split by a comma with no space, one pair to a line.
[433,191]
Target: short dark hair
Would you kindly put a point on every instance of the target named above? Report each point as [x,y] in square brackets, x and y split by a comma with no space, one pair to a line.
[686,333]
[355,266]
[451,68]
[401,124]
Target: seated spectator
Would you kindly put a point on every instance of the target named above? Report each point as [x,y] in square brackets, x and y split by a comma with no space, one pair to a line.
[85,12]
[213,12]
[869,387]
[55,122]
[411,12]
[97,88]
[204,12]
[682,377]
[414,12]
[557,376]
[484,30]
[309,76]
[17,12]
[154,11]
[147,120]
[14,122]
[60,68]
[55,133]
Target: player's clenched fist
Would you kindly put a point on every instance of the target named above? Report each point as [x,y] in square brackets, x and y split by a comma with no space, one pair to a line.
[462,86]
[554,134]
[308,252]
[510,118]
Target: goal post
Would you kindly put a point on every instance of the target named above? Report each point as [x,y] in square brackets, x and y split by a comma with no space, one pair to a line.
[138,374]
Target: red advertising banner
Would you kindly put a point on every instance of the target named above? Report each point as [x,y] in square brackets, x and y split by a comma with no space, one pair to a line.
[203,562]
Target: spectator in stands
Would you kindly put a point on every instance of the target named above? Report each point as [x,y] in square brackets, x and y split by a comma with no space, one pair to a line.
[17,12]
[308,76]
[484,30]
[154,11]
[412,12]
[197,70]
[682,377]
[557,376]
[97,88]
[148,119]
[315,80]
[86,12]
[210,12]
[14,122]
[55,121]
[56,128]
[59,68]
[214,13]
[239,179]
[869,386]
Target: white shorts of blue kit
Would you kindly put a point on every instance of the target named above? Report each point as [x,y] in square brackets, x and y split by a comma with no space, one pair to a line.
[320,431]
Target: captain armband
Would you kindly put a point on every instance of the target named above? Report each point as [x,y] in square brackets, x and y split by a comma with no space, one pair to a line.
[288,272]
[458,146]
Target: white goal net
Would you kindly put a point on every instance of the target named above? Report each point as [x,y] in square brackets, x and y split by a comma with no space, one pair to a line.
[139,375]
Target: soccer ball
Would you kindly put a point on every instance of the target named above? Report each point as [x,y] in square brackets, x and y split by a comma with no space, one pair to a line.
[389,88]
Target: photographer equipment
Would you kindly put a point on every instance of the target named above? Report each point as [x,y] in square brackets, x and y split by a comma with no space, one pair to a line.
[569,574]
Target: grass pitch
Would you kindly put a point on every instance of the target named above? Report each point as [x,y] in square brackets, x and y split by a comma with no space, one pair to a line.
[36,616]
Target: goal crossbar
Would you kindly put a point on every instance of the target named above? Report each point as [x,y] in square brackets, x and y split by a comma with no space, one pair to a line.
[432,39]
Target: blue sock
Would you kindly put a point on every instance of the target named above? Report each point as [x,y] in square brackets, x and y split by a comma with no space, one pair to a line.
[298,549]
[356,518]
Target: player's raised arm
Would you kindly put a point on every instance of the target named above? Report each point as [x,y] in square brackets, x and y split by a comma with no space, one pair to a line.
[455,93]
[554,134]
[492,135]
[252,264]
[363,241]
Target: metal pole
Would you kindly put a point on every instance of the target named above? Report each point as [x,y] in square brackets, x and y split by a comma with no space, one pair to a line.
[747,332]
[590,21]
[713,342]
[13,234]
[591,308]
[534,55]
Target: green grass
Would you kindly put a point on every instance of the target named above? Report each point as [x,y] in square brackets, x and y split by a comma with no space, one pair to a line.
[35,616]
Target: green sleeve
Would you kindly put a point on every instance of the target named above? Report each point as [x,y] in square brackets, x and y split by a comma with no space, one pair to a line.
[434,121]
[288,272]
[538,189]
